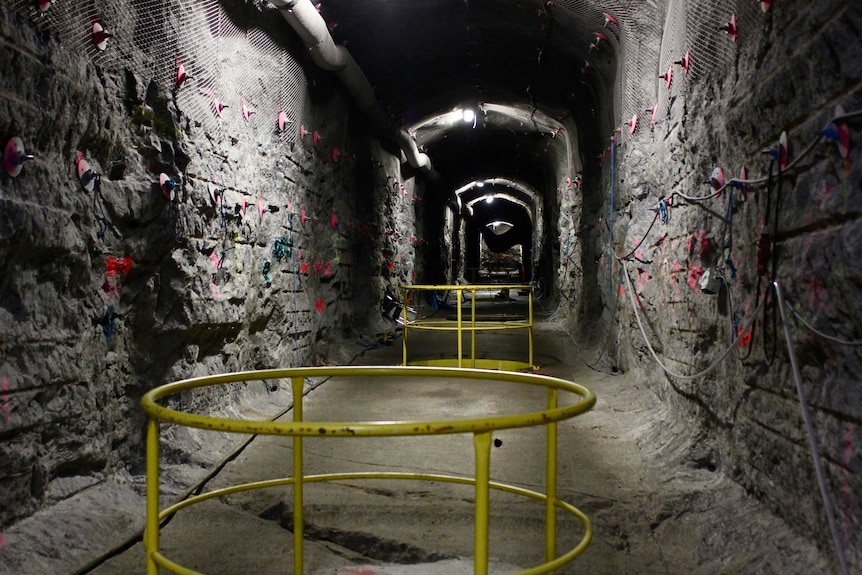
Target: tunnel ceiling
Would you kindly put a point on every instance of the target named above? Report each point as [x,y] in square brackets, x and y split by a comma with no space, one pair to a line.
[426,57]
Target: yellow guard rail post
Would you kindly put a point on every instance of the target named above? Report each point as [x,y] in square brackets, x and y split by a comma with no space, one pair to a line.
[481,428]
[474,327]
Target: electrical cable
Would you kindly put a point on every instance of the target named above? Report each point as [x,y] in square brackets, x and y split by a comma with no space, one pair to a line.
[812,437]
[611,298]
[666,369]
[643,239]
[734,182]
[821,334]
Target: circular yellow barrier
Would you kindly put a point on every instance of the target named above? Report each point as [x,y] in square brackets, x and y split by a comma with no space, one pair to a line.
[481,428]
[470,324]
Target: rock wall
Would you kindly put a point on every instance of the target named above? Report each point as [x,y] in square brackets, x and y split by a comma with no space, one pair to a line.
[266,249]
[797,63]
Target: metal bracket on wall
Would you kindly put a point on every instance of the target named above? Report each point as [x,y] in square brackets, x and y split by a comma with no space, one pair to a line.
[14,156]
[100,36]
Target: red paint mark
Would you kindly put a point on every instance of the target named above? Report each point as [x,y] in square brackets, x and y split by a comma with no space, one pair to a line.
[333,221]
[7,403]
[110,287]
[362,571]
[744,337]
[694,273]
[302,131]
[244,206]
[316,137]
[321,268]
[319,305]
[698,243]
[117,266]
[214,260]
[260,209]
[335,154]
[303,268]
[214,290]
[302,217]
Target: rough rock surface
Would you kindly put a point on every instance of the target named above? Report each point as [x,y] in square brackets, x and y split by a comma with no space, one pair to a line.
[789,74]
[275,245]
[265,253]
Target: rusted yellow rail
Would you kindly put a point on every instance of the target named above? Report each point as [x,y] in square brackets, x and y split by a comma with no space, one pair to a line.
[481,428]
[471,325]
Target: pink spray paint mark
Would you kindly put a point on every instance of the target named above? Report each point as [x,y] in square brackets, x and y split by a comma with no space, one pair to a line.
[214,260]
[260,208]
[694,273]
[319,305]
[7,403]
[643,279]
[215,292]
[115,266]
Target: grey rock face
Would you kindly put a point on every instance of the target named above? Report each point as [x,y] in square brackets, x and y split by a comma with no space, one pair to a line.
[264,245]
[788,74]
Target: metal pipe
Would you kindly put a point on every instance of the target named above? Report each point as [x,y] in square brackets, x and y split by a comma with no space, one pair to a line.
[812,438]
[296,384]
[307,22]
[551,483]
[151,535]
[473,329]
[482,446]
[460,332]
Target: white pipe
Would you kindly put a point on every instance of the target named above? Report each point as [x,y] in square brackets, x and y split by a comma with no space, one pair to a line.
[305,20]
[812,436]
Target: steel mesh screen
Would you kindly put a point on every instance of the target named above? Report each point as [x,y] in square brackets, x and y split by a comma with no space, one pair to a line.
[224,63]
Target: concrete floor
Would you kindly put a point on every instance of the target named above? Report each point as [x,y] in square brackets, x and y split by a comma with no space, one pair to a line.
[627,464]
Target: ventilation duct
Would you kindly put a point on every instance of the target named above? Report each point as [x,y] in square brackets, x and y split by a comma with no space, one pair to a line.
[311,28]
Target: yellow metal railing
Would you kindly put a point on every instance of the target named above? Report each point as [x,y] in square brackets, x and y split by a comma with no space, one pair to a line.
[471,325]
[481,429]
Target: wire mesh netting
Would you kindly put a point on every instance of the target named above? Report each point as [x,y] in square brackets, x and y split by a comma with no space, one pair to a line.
[225,79]
[241,81]
[664,46]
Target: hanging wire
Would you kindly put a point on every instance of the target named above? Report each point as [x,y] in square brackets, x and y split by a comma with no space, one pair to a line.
[745,325]
[822,334]
[812,436]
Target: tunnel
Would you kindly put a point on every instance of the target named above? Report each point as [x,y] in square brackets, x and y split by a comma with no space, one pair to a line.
[202,187]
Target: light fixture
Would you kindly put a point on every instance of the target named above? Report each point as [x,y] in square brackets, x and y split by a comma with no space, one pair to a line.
[499,227]
[469,116]
[489,199]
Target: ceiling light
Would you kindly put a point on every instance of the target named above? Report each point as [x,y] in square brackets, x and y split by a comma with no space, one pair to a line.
[469,116]
[499,227]
[489,199]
